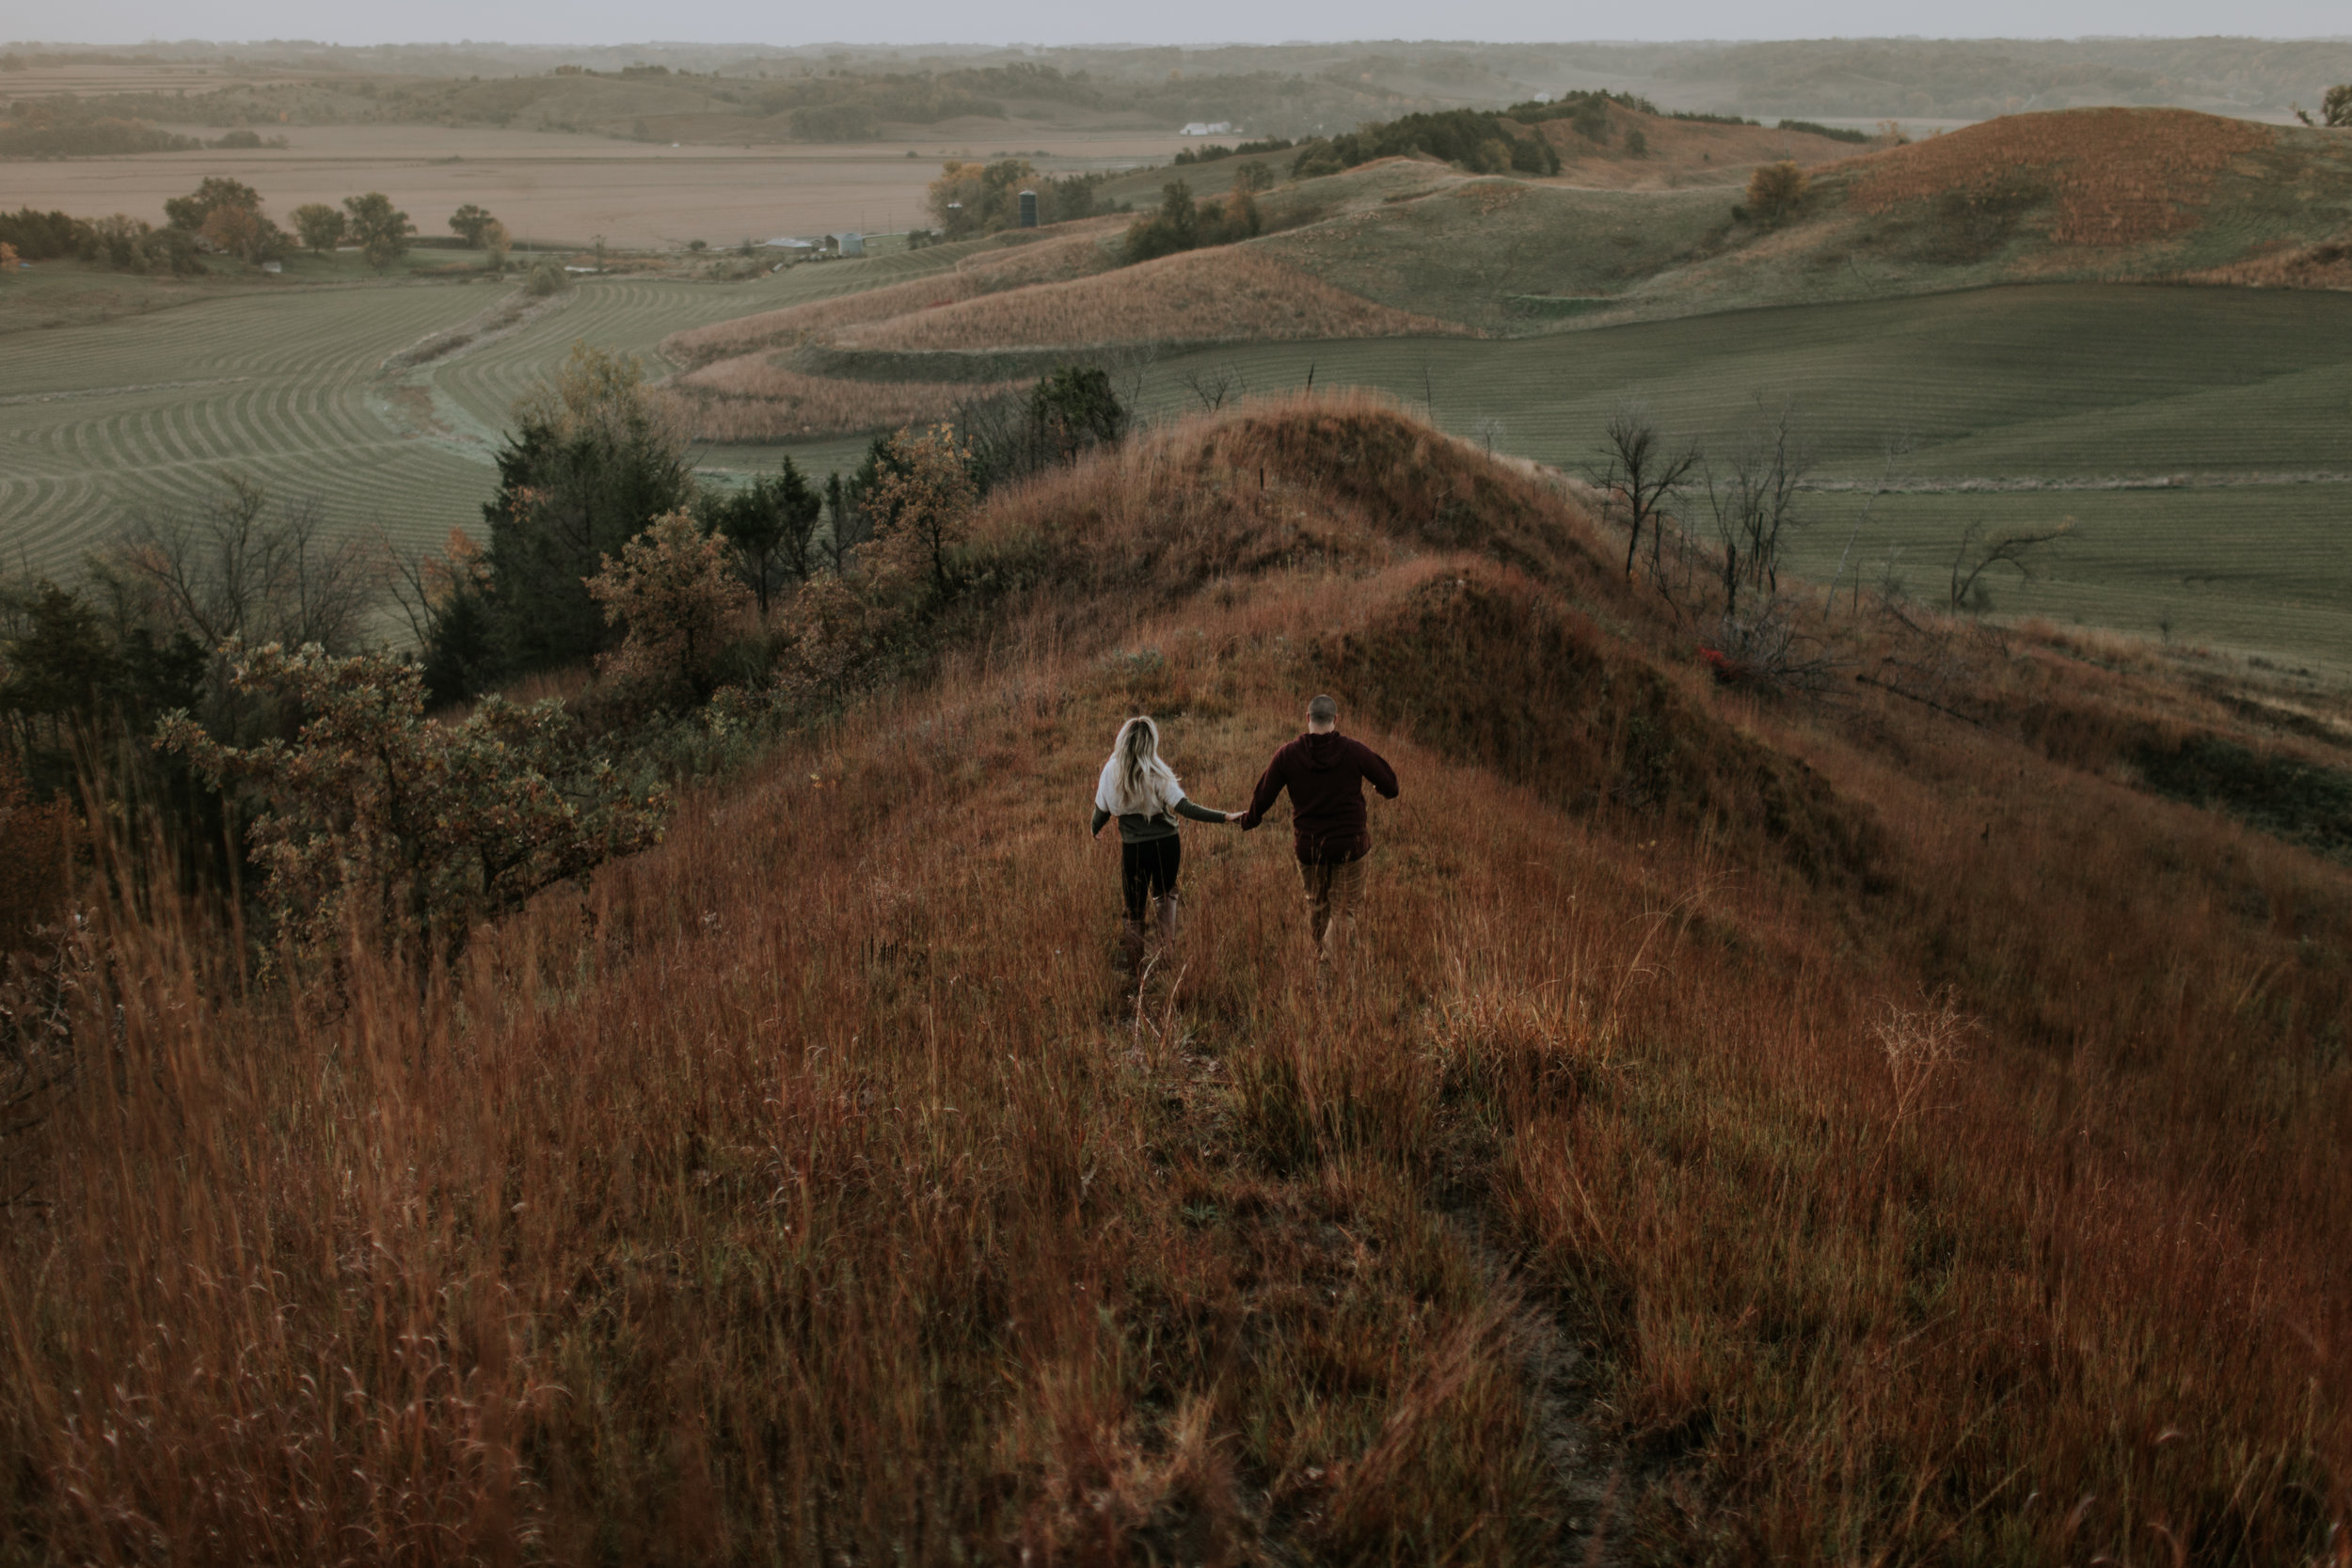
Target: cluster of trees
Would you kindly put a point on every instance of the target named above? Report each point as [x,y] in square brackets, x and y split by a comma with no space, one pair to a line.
[1213,152]
[969,199]
[1482,143]
[122,241]
[1184,223]
[594,461]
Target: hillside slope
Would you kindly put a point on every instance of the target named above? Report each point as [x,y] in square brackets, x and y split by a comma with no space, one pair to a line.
[2104,195]
[1748,1130]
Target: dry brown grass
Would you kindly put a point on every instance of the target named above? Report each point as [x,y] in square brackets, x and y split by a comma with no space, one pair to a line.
[749,399]
[1680,152]
[809,1187]
[1230,294]
[2121,176]
[1049,260]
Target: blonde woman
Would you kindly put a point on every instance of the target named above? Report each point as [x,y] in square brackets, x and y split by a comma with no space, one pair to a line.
[1139,789]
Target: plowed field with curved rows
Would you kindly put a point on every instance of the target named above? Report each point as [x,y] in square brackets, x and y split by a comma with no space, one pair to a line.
[100,422]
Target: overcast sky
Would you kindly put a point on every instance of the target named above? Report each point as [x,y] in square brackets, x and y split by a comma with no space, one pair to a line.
[909,22]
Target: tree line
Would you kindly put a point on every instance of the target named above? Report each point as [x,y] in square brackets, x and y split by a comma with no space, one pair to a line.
[226,217]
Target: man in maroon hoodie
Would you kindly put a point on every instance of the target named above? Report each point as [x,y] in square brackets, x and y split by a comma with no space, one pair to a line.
[1325,772]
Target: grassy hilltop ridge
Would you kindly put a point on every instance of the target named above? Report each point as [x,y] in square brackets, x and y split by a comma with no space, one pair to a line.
[1753,1130]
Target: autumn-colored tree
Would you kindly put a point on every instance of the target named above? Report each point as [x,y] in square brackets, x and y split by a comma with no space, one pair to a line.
[242,232]
[494,240]
[971,199]
[1775,191]
[190,210]
[922,503]
[7,257]
[322,226]
[673,596]
[377,826]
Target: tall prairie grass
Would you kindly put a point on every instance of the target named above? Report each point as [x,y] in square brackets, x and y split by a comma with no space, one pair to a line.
[812,1187]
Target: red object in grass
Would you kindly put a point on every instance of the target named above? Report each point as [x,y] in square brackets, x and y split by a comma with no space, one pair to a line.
[1725,667]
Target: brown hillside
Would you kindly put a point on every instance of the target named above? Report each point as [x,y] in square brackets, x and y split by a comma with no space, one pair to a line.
[2121,176]
[1744,1127]
[751,397]
[1230,294]
[1680,151]
[1062,257]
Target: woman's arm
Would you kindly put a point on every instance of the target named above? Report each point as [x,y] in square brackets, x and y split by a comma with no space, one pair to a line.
[1101,816]
[1188,807]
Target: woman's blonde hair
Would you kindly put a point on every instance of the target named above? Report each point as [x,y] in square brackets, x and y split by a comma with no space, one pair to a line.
[1142,784]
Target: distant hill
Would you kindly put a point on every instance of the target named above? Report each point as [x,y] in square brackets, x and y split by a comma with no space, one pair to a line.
[1407,247]
[2089,194]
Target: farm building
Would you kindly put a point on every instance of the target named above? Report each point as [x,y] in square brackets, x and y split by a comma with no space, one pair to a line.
[792,246]
[1208,128]
[849,243]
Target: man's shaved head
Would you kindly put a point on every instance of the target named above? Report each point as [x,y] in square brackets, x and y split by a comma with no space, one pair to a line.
[1323,710]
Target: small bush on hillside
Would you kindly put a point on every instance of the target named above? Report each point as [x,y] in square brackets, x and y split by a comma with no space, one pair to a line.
[545,280]
[402,833]
[1775,191]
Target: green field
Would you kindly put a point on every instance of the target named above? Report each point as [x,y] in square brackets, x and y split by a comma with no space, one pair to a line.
[2073,385]
[2245,395]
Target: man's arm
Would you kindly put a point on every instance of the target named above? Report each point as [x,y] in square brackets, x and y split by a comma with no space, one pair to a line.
[1377,769]
[1269,790]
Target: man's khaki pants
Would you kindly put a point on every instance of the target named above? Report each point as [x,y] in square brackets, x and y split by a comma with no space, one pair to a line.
[1332,892]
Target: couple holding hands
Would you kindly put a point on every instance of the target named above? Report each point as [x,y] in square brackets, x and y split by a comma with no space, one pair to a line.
[1325,772]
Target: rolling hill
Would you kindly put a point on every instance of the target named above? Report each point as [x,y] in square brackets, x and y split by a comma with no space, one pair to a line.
[1751,1129]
